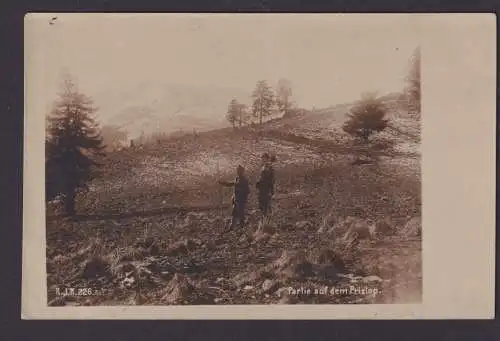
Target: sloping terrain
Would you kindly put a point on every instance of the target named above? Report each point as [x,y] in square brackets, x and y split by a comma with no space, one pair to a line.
[168,108]
[152,228]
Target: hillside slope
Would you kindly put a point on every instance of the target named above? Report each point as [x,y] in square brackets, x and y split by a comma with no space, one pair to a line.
[152,230]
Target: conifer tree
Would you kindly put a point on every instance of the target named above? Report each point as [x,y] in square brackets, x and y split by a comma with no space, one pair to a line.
[366,118]
[232,112]
[73,145]
[263,100]
[413,89]
[284,96]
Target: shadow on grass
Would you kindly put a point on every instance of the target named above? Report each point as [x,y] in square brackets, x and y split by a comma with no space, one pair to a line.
[134,214]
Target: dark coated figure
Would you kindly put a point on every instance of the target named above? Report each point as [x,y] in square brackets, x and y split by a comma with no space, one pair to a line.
[265,185]
[240,196]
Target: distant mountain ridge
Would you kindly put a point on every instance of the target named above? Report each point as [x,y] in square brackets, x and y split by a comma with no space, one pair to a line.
[174,108]
[168,108]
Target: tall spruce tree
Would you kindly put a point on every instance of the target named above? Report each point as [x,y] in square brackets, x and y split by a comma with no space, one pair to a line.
[232,112]
[73,145]
[243,115]
[263,100]
[413,89]
[284,96]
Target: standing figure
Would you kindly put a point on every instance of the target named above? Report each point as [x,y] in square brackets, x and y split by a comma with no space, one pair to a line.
[265,185]
[240,196]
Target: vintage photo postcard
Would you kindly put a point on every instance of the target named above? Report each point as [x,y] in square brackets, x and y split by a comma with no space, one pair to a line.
[232,166]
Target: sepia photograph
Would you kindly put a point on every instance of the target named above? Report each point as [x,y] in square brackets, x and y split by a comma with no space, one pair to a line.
[232,162]
[230,159]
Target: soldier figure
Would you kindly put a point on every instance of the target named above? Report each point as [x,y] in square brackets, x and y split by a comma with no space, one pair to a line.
[265,185]
[240,196]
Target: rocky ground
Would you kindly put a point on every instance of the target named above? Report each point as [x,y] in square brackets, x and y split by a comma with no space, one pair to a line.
[151,229]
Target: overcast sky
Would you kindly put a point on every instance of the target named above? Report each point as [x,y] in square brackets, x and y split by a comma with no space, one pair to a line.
[328,58]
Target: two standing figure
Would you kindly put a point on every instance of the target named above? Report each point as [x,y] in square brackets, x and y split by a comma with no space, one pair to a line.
[265,189]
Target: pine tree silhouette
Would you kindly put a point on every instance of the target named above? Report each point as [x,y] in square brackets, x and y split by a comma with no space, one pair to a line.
[263,100]
[366,118]
[73,145]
